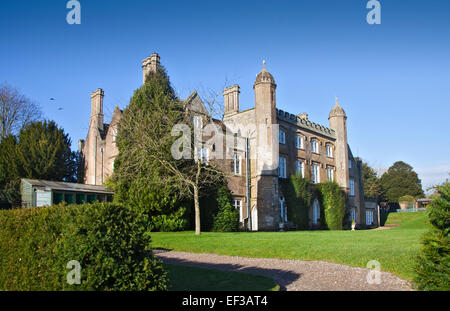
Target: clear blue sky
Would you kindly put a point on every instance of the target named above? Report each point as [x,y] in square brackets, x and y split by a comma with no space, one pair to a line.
[393,79]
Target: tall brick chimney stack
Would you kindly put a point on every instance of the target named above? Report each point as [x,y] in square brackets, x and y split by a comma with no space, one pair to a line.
[231,99]
[150,64]
[97,108]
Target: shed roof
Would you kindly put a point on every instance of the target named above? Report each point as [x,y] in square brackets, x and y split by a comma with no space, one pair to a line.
[67,186]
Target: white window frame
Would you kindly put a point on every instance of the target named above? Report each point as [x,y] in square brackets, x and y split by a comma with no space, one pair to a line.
[329,151]
[282,137]
[369,217]
[315,174]
[315,146]
[282,167]
[299,142]
[301,165]
[316,212]
[237,162]
[197,122]
[330,173]
[115,131]
[238,205]
[352,187]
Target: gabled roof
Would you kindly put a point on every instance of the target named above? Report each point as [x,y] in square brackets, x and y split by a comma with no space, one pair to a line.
[194,103]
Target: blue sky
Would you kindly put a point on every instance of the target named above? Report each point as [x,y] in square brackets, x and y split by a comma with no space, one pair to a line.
[392,79]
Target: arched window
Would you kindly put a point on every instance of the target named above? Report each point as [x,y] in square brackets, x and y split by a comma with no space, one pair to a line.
[316,212]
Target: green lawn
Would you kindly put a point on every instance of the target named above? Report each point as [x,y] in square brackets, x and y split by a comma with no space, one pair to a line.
[393,248]
[184,278]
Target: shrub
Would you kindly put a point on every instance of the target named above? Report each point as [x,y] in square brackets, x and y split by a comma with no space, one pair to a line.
[168,223]
[406,198]
[297,192]
[433,263]
[227,218]
[333,204]
[110,241]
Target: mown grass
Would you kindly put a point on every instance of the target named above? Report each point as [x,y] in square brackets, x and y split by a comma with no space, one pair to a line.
[185,278]
[394,248]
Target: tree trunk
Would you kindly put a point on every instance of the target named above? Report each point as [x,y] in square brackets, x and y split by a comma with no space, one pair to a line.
[197,211]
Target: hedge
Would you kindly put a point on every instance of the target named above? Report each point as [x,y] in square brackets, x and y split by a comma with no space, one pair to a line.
[227,218]
[111,242]
[333,204]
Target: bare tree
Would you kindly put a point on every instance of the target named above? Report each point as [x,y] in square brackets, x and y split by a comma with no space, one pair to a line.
[152,141]
[16,110]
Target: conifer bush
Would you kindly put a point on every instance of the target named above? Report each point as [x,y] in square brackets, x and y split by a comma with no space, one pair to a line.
[227,218]
[433,263]
[333,204]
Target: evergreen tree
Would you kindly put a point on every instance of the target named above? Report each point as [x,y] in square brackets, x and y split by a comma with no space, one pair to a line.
[43,152]
[372,184]
[400,180]
[9,171]
[227,219]
[433,263]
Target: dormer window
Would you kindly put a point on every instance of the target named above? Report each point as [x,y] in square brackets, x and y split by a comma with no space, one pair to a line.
[315,146]
[282,137]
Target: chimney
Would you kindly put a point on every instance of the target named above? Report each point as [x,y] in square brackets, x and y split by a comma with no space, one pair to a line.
[150,64]
[231,99]
[97,108]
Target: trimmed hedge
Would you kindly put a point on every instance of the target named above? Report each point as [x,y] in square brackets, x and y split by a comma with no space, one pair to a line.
[333,204]
[297,191]
[433,263]
[110,241]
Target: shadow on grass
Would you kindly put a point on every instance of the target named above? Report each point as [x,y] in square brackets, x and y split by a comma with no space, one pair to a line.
[282,277]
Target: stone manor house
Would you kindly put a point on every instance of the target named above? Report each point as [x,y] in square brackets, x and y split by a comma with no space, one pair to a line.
[269,144]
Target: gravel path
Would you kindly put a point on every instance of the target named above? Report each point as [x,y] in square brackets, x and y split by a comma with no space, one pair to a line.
[292,275]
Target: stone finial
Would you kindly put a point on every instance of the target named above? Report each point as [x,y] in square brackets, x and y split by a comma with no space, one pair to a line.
[337,110]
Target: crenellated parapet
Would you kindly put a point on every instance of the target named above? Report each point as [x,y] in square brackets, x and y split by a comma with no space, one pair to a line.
[305,123]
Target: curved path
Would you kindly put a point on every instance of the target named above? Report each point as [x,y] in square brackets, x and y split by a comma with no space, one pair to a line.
[292,275]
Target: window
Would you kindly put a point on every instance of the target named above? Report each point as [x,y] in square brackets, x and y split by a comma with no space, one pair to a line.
[349,163]
[197,122]
[329,151]
[282,137]
[352,187]
[299,168]
[299,142]
[202,154]
[238,205]
[114,134]
[315,146]
[369,218]
[315,173]
[283,210]
[316,212]
[330,174]
[282,167]
[353,214]
[112,166]
[236,164]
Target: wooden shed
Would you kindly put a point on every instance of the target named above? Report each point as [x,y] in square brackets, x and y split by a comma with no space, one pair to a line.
[45,193]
